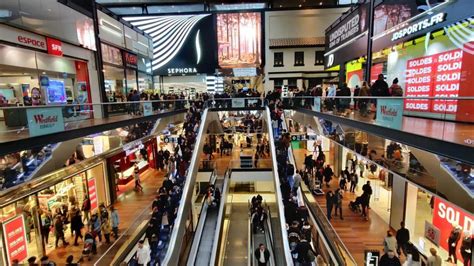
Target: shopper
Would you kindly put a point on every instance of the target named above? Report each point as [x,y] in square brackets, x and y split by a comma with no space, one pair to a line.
[364,102]
[403,237]
[31,261]
[389,242]
[262,255]
[95,227]
[379,89]
[86,208]
[395,89]
[466,248]
[143,253]
[76,226]
[367,191]
[115,220]
[389,259]
[59,231]
[45,227]
[106,229]
[337,201]
[45,261]
[70,261]
[434,259]
[329,203]
[453,240]
[328,173]
[136,176]
[354,180]
[305,253]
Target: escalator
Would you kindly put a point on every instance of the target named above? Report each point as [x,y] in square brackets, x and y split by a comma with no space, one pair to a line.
[204,246]
[262,237]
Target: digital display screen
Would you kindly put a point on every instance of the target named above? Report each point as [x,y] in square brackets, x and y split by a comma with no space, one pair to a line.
[239,39]
[56,91]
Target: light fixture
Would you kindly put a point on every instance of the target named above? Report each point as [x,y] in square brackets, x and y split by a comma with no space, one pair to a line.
[320,3]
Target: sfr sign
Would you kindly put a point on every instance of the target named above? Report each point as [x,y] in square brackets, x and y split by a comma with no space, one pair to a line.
[54,46]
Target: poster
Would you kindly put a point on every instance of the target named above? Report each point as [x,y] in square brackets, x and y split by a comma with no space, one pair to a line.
[390,113]
[15,239]
[92,193]
[445,214]
[432,233]
[437,75]
[43,121]
[239,39]
[25,90]
[56,93]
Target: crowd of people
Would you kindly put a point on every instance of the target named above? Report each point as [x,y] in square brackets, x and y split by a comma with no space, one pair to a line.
[166,204]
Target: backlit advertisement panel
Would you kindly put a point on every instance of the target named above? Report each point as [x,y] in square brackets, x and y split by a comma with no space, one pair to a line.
[182,44]
[15,239]
[239,39]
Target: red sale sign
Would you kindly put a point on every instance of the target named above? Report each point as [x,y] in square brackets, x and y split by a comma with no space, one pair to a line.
[15,239]
[92,193]
[418,83]
[445,215]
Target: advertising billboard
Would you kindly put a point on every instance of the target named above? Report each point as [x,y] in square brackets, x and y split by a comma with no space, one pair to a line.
[15,239]
[182,44]
[353,24]
[239,38]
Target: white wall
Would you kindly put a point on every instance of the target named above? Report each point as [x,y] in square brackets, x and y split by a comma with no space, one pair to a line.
[249,176]
[296,24]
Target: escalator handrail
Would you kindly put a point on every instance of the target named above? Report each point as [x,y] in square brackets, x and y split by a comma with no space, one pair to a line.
[279,196]
[269,238]
[220,217]
[180,220]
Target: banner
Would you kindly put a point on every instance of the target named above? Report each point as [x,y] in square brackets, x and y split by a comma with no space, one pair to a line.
[42,121]
[317,104]
[92,193]
[147,109]
[432,233]
[390,113]
[445,214]
[15,239]
[238,102]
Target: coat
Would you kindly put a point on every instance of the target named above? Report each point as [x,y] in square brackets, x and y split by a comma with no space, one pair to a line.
[266,254]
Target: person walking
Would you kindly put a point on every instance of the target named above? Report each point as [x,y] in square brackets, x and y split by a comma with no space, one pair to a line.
[466,248]
[379,89]
[86,208]
[363,102]
[367,190]
[106,229]
[262,255]
[115,220]
[329,203]
[136,176]
[45,227]
[95,227]
[59,231]
[403,237]
[434,259]
[337,201]
[389,242]
[389,259]
[306,255]
[76,226]
[143,253]
[328,173]
[354,180]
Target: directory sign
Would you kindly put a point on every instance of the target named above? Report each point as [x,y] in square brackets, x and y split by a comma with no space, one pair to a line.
[15,239]
[390,113]
[43,121]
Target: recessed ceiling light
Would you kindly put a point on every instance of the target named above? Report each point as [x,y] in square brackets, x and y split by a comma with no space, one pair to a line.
[320,3]
[299,5]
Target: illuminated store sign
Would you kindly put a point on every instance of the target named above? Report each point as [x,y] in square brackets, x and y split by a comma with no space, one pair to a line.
[419,26]
[179,42]
[54,46]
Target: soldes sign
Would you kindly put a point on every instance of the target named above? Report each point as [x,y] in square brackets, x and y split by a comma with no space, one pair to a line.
[446,215]
[15,239]
[54,47]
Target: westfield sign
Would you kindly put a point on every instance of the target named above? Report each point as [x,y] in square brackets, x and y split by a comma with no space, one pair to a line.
[46,121]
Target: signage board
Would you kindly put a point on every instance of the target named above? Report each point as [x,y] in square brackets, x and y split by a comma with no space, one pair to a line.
[371,257]
[186,43]
[111,55]
[437,75]
[245,72]
[22,37]
[54,46]
[130,60]
[445,214]
[92,193]
[432,233]
[356,49]
[390,113]
[348,28]
[414,28]
[317,104]
[15,239]
[147,109]
[43,121]
[238,102]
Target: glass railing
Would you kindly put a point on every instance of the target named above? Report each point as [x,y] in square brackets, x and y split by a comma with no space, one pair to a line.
[21,122]
[443,118]
[236,103]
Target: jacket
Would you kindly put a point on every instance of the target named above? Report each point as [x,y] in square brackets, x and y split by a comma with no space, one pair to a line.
[380,88]
[403,235]
[266,254]
[114,219]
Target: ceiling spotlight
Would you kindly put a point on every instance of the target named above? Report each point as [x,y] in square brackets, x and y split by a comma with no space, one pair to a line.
[320,3]
[299,5]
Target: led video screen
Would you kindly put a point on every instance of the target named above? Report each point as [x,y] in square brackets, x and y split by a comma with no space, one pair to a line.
[182,44]
[239,39]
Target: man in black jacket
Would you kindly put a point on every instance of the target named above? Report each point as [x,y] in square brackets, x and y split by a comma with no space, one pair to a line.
[403,236]
[262,255]
[379,89]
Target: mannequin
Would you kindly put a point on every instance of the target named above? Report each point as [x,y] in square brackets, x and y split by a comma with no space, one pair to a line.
[466,248]
[453,240]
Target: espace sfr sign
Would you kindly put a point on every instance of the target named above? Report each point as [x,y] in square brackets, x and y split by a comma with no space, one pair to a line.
[23,38]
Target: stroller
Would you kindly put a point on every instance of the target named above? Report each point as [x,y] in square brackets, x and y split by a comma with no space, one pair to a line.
[355,206]
[89,247]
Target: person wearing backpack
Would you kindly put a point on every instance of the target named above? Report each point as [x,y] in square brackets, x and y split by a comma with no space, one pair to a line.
[395,89]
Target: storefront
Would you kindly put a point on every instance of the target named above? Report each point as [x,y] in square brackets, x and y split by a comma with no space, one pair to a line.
[22,218]
[145,79]
[430,55]
[38,70]
[135,155]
